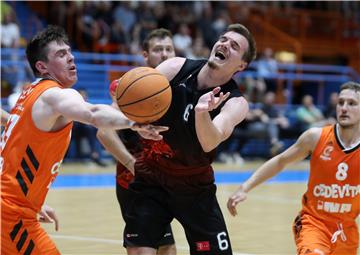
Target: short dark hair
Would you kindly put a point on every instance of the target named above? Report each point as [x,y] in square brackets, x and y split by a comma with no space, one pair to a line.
[156,33]
[37,47]
[350,85]
[250,54]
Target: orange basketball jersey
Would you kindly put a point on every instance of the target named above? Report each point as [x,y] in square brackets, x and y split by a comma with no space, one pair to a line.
[334,182]
[30,158]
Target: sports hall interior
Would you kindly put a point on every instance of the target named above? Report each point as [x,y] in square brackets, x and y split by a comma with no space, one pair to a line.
[306,50]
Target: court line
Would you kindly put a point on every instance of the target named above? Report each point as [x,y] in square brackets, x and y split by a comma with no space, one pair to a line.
[112,241]
[108,180]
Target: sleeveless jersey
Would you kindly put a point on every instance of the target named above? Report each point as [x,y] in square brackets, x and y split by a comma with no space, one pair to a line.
[30,157]
[334,182]
[180,152]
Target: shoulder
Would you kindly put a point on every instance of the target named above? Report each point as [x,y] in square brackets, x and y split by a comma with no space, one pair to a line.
[55,94]
[170,67]
[310,137]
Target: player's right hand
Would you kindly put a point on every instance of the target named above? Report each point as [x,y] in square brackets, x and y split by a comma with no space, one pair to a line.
[238,196]
[149,131]
[48,215]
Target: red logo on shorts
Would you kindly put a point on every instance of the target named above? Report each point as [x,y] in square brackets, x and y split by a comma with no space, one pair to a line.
[203,246]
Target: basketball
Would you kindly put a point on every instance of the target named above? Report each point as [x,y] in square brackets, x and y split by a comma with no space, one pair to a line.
[143,94]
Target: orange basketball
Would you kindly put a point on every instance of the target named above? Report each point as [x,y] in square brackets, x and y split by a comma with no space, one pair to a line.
[143,94]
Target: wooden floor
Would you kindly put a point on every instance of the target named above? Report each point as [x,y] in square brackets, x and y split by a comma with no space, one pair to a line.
[91,223]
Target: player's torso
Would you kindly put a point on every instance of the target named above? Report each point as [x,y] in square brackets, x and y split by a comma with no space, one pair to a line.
[30,157]
[180,147]
[334,183]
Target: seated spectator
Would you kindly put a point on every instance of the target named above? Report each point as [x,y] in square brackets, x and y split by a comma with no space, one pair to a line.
[277,121]
[10,31]
[82,132]
[267,67]
[309,115]
[264,122]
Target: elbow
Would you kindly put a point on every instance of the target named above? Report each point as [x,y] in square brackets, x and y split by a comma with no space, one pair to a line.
[100,134]
[208,148]
[210,145]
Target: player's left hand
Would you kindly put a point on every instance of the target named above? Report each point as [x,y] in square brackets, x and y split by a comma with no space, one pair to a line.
[48,215]
[209,101]
[149,131]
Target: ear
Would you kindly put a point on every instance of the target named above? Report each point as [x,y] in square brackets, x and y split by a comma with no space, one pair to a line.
[145,55]
[242,66]
[41,67]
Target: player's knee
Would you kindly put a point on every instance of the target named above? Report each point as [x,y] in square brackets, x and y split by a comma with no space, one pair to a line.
[167,250]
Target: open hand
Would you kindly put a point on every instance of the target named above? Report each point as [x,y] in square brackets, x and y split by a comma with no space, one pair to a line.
[238,196]
[209,101]
[149,131]
[48,215]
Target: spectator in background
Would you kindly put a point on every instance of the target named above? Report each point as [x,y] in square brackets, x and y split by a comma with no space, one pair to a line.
[10,31]
[263,122]
[88,28]
[222,20]
[277,122]
[183,41]
[267,67]
[199,50]
[82,132]
[330,111]
[204,24]
[309,115]
[125,16]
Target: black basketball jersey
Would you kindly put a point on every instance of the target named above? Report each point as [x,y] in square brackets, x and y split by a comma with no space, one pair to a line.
[180,151]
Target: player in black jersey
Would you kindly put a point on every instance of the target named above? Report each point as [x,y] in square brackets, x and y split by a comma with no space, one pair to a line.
[158,46]
[174,177]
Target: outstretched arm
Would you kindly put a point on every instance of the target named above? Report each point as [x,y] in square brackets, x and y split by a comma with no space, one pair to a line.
[71,105]
[303,147]
[66,105]
[212,132]
[113,144]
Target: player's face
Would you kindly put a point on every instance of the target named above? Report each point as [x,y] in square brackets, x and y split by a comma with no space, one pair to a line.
[228,51]
[60,64]
[160,49]
[348,108]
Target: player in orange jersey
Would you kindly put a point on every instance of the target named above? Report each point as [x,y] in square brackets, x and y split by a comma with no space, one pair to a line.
[326,224]
[36,137]
[158,46]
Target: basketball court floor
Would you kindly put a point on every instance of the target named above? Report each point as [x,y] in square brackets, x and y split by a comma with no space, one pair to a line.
[90,220]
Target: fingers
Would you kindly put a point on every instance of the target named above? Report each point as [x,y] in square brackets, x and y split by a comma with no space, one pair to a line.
[54,218]
[56,222]
[48,215]
[160,128]
[216,90]
[45,217]
[231,207]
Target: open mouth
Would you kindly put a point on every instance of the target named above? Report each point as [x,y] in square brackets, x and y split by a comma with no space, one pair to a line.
[72,68]
[220,55]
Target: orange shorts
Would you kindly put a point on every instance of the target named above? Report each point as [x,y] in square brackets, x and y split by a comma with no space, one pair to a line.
[24,236]
[313,236]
